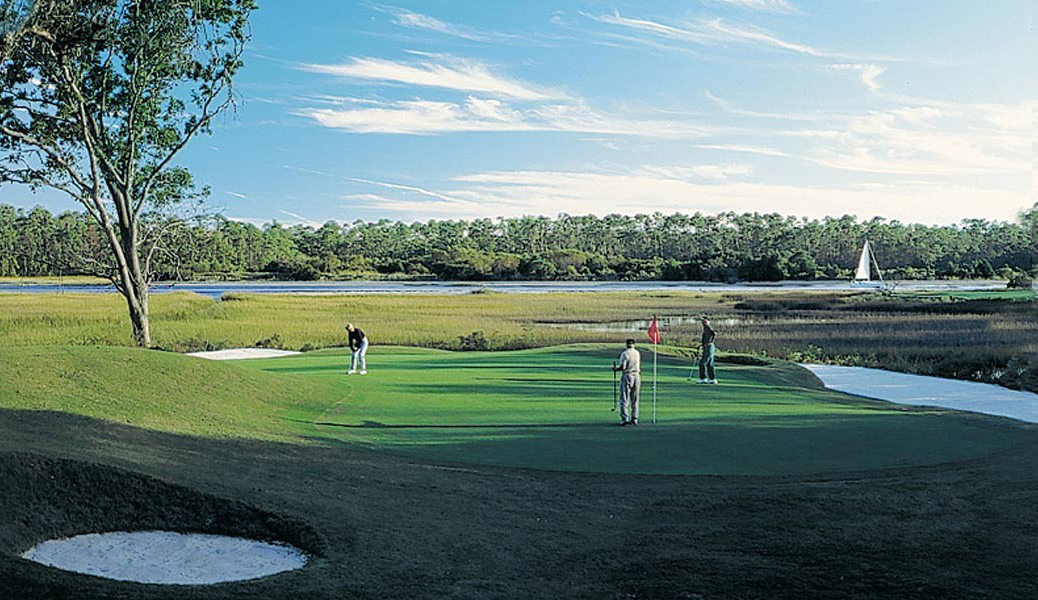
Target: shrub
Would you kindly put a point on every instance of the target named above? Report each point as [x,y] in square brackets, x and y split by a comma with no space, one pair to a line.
[473,341]
[273,341]
[1020,281]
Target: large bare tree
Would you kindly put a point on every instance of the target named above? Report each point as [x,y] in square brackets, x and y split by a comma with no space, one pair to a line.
[99,97]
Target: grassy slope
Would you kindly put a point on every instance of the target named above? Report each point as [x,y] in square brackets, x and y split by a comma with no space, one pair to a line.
[156,390]
[549,408]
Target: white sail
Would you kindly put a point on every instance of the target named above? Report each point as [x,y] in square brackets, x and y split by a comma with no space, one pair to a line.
[864,272]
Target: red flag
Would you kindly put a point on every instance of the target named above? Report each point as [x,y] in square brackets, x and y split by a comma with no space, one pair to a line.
[654,331]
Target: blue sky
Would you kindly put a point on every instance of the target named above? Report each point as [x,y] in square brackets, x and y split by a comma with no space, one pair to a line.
[916,110]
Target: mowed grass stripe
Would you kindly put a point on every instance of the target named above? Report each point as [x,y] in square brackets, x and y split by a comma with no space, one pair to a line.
[549,409]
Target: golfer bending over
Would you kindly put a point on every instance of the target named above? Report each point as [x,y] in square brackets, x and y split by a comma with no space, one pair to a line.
[359,347]
[630,383]
[706,357]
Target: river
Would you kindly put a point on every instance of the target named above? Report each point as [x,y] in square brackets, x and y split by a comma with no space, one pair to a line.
[217,289]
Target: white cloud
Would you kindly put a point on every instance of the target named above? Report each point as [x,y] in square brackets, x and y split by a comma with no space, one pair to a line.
[450,73]
[710,32]
[300,218]
[413,20]
[775,6]
[418,117]
[709,172]
[425,117]
[249,220]
[868,73]
[236,195]
[491,109]
[645,190]
[926,137]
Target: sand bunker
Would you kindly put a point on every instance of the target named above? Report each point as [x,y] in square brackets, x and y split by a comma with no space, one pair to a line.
[919,390]
[166,557]
[240,353]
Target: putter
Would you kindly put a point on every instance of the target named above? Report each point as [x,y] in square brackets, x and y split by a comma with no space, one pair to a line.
[614,387]
[692,369]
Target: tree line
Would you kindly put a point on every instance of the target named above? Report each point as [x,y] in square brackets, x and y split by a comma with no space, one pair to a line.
[723,247]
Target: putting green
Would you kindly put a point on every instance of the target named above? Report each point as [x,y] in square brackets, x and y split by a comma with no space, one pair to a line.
[550,409]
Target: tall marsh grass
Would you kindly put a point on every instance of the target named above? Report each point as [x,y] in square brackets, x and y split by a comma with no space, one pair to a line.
[983,339]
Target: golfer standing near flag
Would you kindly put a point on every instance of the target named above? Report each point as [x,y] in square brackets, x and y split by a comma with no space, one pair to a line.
[630,383]
[706,357]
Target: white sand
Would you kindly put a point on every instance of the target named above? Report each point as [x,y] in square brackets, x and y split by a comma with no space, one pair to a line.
[240,353]
[166,557]
[919,390]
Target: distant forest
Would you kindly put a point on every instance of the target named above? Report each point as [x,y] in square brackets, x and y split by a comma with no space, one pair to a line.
[724,247]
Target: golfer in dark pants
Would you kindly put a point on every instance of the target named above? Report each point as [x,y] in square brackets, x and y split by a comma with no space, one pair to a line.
[630,384]
[706,357]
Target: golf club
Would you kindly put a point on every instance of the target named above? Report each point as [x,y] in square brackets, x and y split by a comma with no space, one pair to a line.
[692,369]
[614,387]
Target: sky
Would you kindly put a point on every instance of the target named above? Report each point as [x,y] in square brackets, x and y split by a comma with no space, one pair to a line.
[920,111]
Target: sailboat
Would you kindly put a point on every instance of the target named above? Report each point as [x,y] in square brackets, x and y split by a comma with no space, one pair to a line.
[863,275]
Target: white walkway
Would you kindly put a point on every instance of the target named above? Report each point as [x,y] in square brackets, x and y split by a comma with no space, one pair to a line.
[919,390]
[240,353]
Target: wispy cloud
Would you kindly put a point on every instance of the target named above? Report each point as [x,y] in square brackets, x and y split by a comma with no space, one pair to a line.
[869,73]
[258,222]
[650,189]
[448,73]
[383,184]
[425,117]
[716,32]
[303,220]
[236,195]
[710,32]
[774,6]
[920,137]
[413,20]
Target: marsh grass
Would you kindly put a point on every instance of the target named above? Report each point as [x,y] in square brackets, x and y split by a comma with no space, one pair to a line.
[508,321]
[975,338]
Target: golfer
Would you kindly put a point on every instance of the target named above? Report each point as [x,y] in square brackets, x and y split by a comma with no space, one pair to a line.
[630,383]
[706,357]
[359,347]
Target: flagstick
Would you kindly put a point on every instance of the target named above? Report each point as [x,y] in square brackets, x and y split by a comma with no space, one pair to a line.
[654,379]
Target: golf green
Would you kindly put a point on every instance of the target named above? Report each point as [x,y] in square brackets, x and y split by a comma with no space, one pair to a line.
[549,409]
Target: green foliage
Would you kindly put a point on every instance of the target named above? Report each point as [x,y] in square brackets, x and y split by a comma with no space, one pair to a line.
[1021,281]
[97,99]
[273,341]
[725,247]
[473,341]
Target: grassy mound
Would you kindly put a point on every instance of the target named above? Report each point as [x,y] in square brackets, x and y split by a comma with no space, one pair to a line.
[549,408]
[156,390]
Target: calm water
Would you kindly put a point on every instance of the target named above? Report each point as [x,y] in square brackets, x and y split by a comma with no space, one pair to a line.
[216,290]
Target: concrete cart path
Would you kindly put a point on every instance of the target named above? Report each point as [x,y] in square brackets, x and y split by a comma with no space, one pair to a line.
[920,390]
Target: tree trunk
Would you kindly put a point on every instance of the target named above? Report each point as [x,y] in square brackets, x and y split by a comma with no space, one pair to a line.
[137,302]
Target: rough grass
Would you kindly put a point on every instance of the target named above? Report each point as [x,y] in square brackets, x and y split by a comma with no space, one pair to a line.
[934,334]
[181,320]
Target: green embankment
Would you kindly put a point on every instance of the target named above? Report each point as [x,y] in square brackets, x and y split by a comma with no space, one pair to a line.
[155,390]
